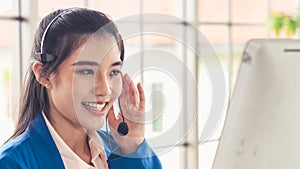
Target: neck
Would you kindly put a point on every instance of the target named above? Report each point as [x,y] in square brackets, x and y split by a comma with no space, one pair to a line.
[73,135]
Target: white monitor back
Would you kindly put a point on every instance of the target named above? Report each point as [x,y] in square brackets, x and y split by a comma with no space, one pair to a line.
[262,127]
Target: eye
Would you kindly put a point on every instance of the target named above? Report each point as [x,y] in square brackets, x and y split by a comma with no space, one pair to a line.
[86,72]
[115,72]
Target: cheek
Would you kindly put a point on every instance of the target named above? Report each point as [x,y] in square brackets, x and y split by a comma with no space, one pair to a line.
[117,87]
[61,94]
[80,89]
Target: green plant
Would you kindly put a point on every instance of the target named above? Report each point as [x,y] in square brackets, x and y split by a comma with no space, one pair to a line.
[280,21]
[6,74]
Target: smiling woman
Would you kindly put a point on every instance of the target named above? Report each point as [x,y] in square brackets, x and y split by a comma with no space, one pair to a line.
[70,88]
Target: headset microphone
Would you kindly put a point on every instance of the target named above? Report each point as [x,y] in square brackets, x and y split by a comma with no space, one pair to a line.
[123,127]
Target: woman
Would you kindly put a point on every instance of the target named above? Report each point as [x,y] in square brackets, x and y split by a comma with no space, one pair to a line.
[69,93]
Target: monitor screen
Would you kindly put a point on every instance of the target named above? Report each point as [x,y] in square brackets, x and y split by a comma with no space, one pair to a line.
[262,126]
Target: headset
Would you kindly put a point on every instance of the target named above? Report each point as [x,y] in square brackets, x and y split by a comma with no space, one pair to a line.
[42,56]
[45,57]
[123,127]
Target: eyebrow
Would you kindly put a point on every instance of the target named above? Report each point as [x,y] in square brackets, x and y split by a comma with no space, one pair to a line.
[90,63]
[118,63]
[82,63]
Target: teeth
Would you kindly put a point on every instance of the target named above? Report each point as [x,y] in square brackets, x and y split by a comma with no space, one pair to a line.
[95,106]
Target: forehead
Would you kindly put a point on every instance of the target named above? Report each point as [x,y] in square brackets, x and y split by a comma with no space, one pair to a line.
[98,49]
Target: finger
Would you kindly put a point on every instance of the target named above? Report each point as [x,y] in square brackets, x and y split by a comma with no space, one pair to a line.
[132,91]
[142,97]
[112,121]
[125,89]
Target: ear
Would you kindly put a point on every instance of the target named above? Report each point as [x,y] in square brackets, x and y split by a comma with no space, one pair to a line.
[37,68]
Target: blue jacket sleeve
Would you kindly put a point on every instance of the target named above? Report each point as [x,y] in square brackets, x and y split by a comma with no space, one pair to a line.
[142,158]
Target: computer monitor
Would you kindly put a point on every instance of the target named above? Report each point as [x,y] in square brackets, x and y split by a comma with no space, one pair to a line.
[262,127]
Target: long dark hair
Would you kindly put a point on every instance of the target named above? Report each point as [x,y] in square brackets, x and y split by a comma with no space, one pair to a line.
[67,32]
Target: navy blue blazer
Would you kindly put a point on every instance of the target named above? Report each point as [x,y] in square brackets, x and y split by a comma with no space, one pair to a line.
[35,149]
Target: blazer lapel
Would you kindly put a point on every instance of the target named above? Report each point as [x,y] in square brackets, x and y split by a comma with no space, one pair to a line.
[43,145]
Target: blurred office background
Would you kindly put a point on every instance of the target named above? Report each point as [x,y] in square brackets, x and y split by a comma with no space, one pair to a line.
[227,25]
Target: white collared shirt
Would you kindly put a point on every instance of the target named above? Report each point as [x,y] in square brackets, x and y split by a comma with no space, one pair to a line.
[72,160]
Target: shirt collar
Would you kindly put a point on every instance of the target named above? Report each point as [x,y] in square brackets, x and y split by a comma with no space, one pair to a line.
[72,159]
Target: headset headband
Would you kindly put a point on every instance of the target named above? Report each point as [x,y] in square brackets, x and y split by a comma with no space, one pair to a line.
[45,57]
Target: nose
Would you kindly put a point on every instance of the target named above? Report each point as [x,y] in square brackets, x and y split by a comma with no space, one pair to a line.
[102,86]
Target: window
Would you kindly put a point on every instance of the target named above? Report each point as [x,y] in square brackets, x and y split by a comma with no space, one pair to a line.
[228,28]
[160,53]
[10,53]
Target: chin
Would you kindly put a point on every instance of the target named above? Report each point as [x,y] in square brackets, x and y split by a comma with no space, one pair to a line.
[93,124]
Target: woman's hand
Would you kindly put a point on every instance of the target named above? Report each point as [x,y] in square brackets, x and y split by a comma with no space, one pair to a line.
[132,103]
